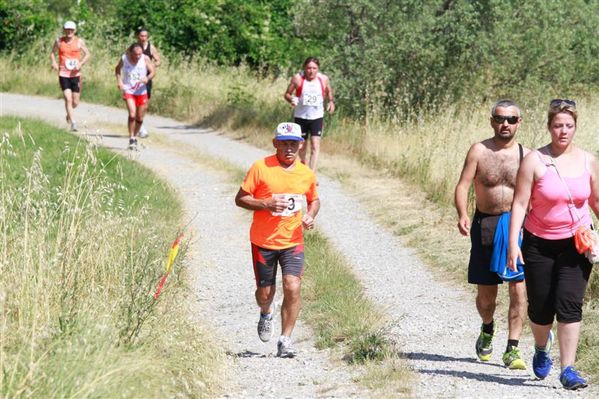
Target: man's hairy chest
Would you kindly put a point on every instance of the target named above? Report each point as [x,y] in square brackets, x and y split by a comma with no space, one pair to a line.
[497,170]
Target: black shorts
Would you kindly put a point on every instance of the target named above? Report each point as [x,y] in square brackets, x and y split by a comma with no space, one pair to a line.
[310,127]
[481,251]
[73,84]
[556,278]
[266,260]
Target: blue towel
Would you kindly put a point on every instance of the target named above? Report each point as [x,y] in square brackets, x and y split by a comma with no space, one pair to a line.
[500,247]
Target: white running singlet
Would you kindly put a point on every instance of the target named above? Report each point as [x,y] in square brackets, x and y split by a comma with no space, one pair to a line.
[132,75]
[310,102]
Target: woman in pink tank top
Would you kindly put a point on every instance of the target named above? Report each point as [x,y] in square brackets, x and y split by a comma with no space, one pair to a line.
[556,184]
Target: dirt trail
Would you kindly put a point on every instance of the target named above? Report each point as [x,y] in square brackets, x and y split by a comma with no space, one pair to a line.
[435,323]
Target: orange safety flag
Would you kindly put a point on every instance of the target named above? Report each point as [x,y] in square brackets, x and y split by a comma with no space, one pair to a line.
[172,254]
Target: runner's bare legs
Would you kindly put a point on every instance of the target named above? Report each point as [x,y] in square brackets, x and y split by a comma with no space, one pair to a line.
[264,297]
[70,103]
[139,117]
[132,109]
[486,302]
[517,310]
[314,152]
[291,304]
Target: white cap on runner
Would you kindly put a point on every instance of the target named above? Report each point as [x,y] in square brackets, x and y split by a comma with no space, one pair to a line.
[289,131]
[69,25]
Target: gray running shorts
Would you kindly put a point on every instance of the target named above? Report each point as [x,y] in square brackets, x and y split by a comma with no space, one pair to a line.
[266,260]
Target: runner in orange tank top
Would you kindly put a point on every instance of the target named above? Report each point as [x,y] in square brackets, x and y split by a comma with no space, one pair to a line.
[70,50]
[275,188]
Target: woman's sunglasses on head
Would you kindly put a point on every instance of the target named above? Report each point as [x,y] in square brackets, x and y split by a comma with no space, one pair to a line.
[559,102]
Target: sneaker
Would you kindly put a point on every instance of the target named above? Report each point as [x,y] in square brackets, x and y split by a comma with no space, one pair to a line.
[570,379]
[143,132]
[484,346]
[285,348]
[265,325]
[73,127]
[133,144]
[541,363]
[513,360]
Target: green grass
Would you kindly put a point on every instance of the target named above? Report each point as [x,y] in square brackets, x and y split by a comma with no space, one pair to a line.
[427,152]
[83,237]
[337,308]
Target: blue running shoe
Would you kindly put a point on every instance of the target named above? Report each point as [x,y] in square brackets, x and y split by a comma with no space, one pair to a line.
[570,379]
[541,364]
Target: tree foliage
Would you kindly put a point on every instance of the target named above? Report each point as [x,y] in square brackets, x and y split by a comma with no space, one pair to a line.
[256,32]
[22,20]
[393,57]
[400,55]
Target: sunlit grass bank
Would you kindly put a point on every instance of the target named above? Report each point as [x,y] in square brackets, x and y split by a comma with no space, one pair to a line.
[427,151]
[83,238]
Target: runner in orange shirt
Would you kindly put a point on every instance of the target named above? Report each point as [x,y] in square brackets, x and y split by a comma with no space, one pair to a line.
[69,49]
[275,188]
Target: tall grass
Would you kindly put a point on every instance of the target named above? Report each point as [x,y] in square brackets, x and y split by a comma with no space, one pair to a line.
[80,256]
[426,150]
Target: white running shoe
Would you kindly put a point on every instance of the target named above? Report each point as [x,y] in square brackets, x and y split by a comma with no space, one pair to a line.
[143,132]
[266,325]
[285,347]
[73,127]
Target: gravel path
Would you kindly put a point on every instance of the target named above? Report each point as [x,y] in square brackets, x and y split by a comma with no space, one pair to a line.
[434,323]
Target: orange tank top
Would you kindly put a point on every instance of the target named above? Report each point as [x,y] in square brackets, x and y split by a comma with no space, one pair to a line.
[69,56]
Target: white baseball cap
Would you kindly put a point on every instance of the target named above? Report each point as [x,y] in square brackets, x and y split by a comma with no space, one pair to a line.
[289,131]
[70,25]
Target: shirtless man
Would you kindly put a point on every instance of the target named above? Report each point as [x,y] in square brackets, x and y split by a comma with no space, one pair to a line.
[492,165]
[70,60]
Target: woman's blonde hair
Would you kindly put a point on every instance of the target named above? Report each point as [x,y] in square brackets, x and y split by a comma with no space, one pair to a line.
[568,107]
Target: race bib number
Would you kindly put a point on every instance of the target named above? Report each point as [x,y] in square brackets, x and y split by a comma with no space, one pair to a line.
[313,100]
[295,203]
[71,64]
[134,78]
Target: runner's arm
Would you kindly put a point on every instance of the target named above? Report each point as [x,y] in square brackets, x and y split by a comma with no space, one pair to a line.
[151,69]
[289,94]
[86,53]
[53,57]
[329,94]
[522,192]
[594,198]
[310,215]
[117,72]
[155,56]
[462,188]
[245,200]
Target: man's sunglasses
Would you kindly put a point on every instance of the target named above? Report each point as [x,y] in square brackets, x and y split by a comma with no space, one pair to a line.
[558,102]
[512,120]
